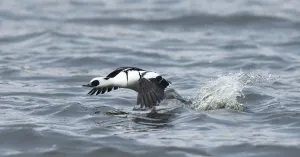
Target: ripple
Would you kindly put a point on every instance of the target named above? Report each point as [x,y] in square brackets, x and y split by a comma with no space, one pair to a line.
[193,20]
[285,118]
[70,109]
[21,38]
[254,150]
[82,61]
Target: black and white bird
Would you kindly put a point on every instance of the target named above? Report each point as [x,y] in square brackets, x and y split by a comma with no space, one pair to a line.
[149,85]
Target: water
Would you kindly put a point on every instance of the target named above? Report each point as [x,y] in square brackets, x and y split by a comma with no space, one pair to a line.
[237,60]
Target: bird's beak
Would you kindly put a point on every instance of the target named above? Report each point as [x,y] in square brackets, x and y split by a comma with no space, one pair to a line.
[86,85]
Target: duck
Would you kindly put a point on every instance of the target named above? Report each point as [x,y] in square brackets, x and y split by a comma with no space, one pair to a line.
[149,85]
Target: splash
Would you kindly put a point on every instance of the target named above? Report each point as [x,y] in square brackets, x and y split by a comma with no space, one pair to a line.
[227,91]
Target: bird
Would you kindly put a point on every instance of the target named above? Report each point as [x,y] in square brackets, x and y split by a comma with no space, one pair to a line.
[150,86]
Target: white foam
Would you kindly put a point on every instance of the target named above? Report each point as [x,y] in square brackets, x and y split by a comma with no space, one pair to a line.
[225,91]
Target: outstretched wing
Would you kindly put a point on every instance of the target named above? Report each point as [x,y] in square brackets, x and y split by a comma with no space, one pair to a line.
[151,91]
[101,90]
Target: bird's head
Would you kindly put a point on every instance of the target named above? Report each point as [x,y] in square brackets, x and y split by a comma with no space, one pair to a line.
[97,82]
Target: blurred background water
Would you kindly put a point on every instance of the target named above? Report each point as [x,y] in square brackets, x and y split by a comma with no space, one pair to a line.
[241,56]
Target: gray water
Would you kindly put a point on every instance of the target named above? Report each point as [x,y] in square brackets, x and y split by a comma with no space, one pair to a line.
[238,61]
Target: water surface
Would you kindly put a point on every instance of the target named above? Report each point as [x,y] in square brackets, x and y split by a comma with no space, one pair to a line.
[243,54]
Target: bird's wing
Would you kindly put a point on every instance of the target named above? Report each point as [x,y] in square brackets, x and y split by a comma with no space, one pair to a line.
[151,91]
[101,90]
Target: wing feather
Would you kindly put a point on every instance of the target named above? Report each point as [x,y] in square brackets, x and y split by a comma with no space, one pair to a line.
[101,90]
[93,91]
[98,91]
[150,92]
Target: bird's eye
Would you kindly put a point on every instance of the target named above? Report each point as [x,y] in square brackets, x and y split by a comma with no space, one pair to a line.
[95,83]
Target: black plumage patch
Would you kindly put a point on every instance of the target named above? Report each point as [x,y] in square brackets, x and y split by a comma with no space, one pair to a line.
[161,82]
[114,73]
[159,78]
[134,68]
[92,91]
[98,92]
[95,83]
[126,72]
[164,83]
[125,69]
[103,90]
